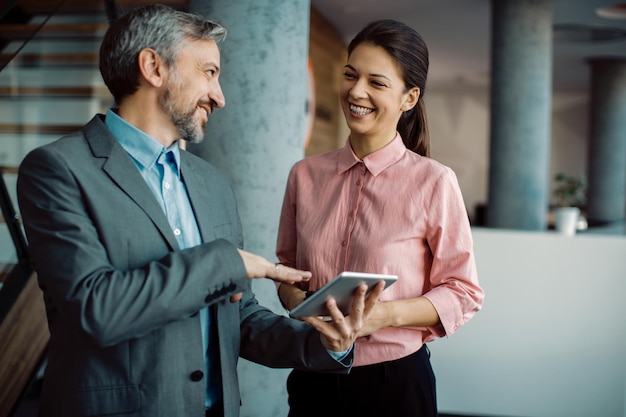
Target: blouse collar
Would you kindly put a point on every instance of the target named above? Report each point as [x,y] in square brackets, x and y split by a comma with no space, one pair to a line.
[377,161]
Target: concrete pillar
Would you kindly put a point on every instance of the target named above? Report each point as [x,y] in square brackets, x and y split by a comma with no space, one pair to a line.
[521,73]
[607,143]
[256,138]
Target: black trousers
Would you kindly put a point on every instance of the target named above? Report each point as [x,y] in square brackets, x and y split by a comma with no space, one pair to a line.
[400,388]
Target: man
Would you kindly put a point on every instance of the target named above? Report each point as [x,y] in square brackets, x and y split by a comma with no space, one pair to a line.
[137,245]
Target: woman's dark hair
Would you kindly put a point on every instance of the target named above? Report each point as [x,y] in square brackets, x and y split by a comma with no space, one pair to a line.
[410,52]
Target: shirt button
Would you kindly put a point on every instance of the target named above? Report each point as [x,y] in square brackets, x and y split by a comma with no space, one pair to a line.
[196,376]
[177,232]
[167,185]
[358,183]
[344,243]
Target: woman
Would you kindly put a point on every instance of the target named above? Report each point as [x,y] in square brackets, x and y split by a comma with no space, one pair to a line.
[381,205]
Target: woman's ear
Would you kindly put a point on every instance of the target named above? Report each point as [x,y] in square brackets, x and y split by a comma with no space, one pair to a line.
[412,96]
[151,67]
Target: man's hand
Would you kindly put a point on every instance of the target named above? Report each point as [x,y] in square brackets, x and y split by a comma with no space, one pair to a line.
[259,267]
[341,332]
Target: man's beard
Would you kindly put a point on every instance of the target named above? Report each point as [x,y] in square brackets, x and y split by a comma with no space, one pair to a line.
[186,123]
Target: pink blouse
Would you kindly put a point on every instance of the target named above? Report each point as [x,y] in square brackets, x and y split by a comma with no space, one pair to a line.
[394,212]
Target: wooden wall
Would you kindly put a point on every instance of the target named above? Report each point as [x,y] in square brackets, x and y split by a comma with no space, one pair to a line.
[327,56]
[24,337]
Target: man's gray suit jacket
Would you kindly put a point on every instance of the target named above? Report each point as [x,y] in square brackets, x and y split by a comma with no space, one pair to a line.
[122,299]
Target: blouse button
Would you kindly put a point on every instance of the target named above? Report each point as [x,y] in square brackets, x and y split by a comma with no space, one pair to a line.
[344,243]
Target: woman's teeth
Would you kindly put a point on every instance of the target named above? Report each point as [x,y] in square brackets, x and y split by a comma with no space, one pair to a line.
[361,111]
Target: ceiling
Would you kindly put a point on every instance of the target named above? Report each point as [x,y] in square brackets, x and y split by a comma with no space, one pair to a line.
[458,35]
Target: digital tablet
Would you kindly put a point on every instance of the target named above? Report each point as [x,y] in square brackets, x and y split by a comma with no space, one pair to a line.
[341,288]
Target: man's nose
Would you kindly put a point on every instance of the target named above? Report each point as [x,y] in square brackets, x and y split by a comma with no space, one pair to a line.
[217,97]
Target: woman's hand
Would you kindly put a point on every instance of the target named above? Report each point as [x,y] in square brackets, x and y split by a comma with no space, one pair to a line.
[411,312]
[379,318]
[340,333]
[290,296]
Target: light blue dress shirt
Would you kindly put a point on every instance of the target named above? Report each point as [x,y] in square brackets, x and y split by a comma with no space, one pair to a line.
[160,168]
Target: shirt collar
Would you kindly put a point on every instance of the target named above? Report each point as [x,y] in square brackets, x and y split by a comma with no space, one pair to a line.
[139,145]
[376,162]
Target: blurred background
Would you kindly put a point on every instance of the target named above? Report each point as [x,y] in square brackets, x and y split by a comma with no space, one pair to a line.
[518,92]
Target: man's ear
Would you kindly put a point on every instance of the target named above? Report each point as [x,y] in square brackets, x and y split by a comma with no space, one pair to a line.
[151,67]
[412,96]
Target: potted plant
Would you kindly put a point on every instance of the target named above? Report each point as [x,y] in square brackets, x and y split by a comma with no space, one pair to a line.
[570,193]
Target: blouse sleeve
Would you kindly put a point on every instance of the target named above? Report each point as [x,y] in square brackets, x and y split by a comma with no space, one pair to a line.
[286,245]
[456,293]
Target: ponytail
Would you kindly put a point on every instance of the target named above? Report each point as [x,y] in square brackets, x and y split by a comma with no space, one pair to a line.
[414,130]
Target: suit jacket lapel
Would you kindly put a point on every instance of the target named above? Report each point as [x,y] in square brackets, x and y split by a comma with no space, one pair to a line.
[199,192]
[125,174]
